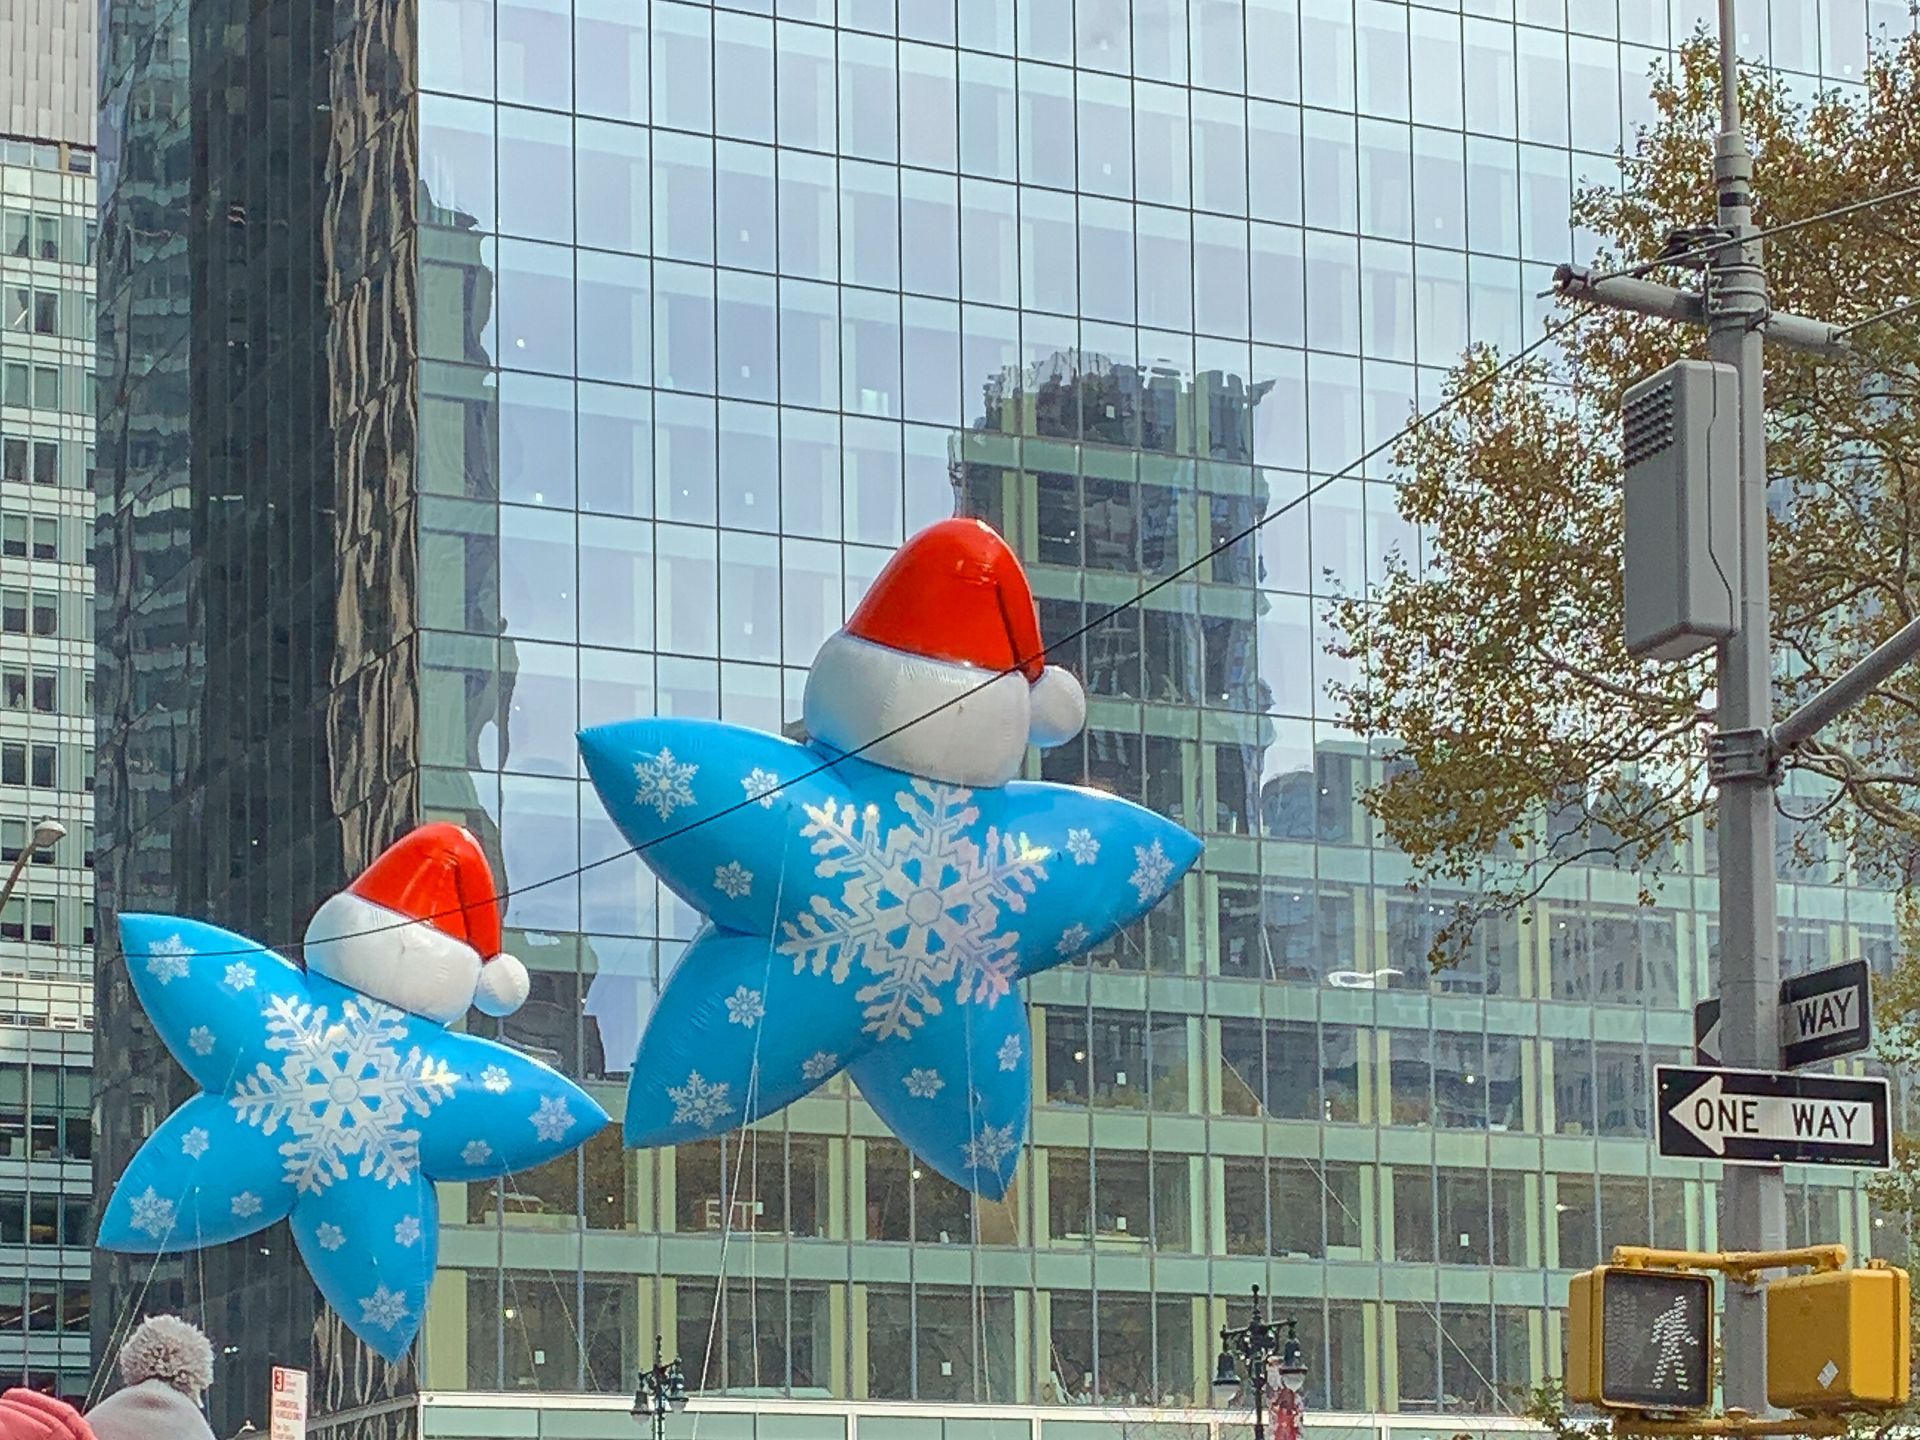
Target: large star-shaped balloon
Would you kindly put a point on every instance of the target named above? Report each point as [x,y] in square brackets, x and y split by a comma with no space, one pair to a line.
[866,920]
[325,1106]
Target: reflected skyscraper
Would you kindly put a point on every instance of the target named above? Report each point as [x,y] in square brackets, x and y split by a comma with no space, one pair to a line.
[480,370]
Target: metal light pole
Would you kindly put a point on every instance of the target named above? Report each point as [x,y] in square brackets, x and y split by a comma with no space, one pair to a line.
[1744,752]
[46,831]
[1737,304]
[662,1391]
[1246,1352]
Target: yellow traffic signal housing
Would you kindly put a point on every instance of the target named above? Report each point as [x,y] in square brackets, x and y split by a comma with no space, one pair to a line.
[1640,1339]
[1839,1340]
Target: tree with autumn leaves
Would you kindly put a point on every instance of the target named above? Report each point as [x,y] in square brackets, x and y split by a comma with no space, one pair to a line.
[1521,736]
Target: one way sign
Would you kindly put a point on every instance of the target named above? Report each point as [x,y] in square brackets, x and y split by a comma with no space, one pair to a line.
[1757,1117]
[1825,1014]
[1821,1016]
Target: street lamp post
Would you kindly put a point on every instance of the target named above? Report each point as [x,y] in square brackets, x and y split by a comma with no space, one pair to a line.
[1248,1351]
[46,831]
[662,1392]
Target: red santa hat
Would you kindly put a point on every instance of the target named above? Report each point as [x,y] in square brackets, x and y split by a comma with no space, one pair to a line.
[420,929]
[945,650]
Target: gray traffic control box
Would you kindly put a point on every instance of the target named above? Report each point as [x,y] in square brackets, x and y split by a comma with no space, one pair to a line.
[1680,448]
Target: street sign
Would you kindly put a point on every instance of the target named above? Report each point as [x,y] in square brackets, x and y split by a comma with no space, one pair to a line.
[1822,1016]
[1706,1032]
[289,1404]
[1825,1015]
[1760,1117]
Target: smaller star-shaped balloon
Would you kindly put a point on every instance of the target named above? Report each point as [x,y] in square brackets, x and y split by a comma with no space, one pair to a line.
[874,913]
[336,1096]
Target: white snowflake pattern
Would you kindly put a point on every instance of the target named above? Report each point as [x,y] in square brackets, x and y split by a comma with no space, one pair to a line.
[1010,1052]
[664,783]
[921,904]
[194,1143]
[819,1065]
[239,976]
[476,1152]
[407,1232]
[1083,847]
[246,1205]
[552,1120]
[200,1040]
[701,1102]
[761,786]
[384,1309]
[924,1083]
[152,1213]
[1072,940]
[733,880]
[495,1080]
[1150,871]
[344,1089]
[746,1007]
[987,1149]
[167,961]
[329,1236]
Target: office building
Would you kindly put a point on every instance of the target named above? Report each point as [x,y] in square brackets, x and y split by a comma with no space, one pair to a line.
[476,370]
[46,690]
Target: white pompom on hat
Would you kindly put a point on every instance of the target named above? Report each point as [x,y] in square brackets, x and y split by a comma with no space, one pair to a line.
[420,929]
[1059,707]
[169,1349]
[910,681]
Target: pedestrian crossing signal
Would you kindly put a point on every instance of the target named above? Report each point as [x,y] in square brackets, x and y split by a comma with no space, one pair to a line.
[1640,1339]
[1839,1340]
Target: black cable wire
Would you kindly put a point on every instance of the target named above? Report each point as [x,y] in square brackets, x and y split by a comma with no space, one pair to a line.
[1714,247]
[1551,333]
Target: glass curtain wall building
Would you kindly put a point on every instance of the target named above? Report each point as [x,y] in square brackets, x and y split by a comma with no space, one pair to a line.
[46,691]
[499,367]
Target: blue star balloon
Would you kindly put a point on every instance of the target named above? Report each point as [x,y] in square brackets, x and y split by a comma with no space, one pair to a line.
[875,894]
[326,1106]
[862,919]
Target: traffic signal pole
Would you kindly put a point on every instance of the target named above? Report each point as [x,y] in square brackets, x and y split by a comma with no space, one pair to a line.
[1754,1205]
[1743,757]
[1745,752]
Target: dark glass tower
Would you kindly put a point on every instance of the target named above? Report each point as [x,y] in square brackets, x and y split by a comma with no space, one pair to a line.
[256,563]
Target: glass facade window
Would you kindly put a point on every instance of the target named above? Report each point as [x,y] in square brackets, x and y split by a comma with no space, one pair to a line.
[593,369]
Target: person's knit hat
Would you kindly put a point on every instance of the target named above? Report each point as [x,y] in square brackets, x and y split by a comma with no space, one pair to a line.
[29,1415]
[167,1365]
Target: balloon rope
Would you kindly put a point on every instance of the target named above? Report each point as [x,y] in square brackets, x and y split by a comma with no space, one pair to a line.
[520,1321]
[566,1314]
[200,1269]
[116,1335]
[983,1388]
[753,1229]
[752,1099]
[1320,1175]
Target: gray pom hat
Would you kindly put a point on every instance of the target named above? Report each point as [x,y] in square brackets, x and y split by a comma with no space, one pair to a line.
[167,1366]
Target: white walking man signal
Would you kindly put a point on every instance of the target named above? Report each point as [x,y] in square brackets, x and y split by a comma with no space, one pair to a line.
[1672,1337]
